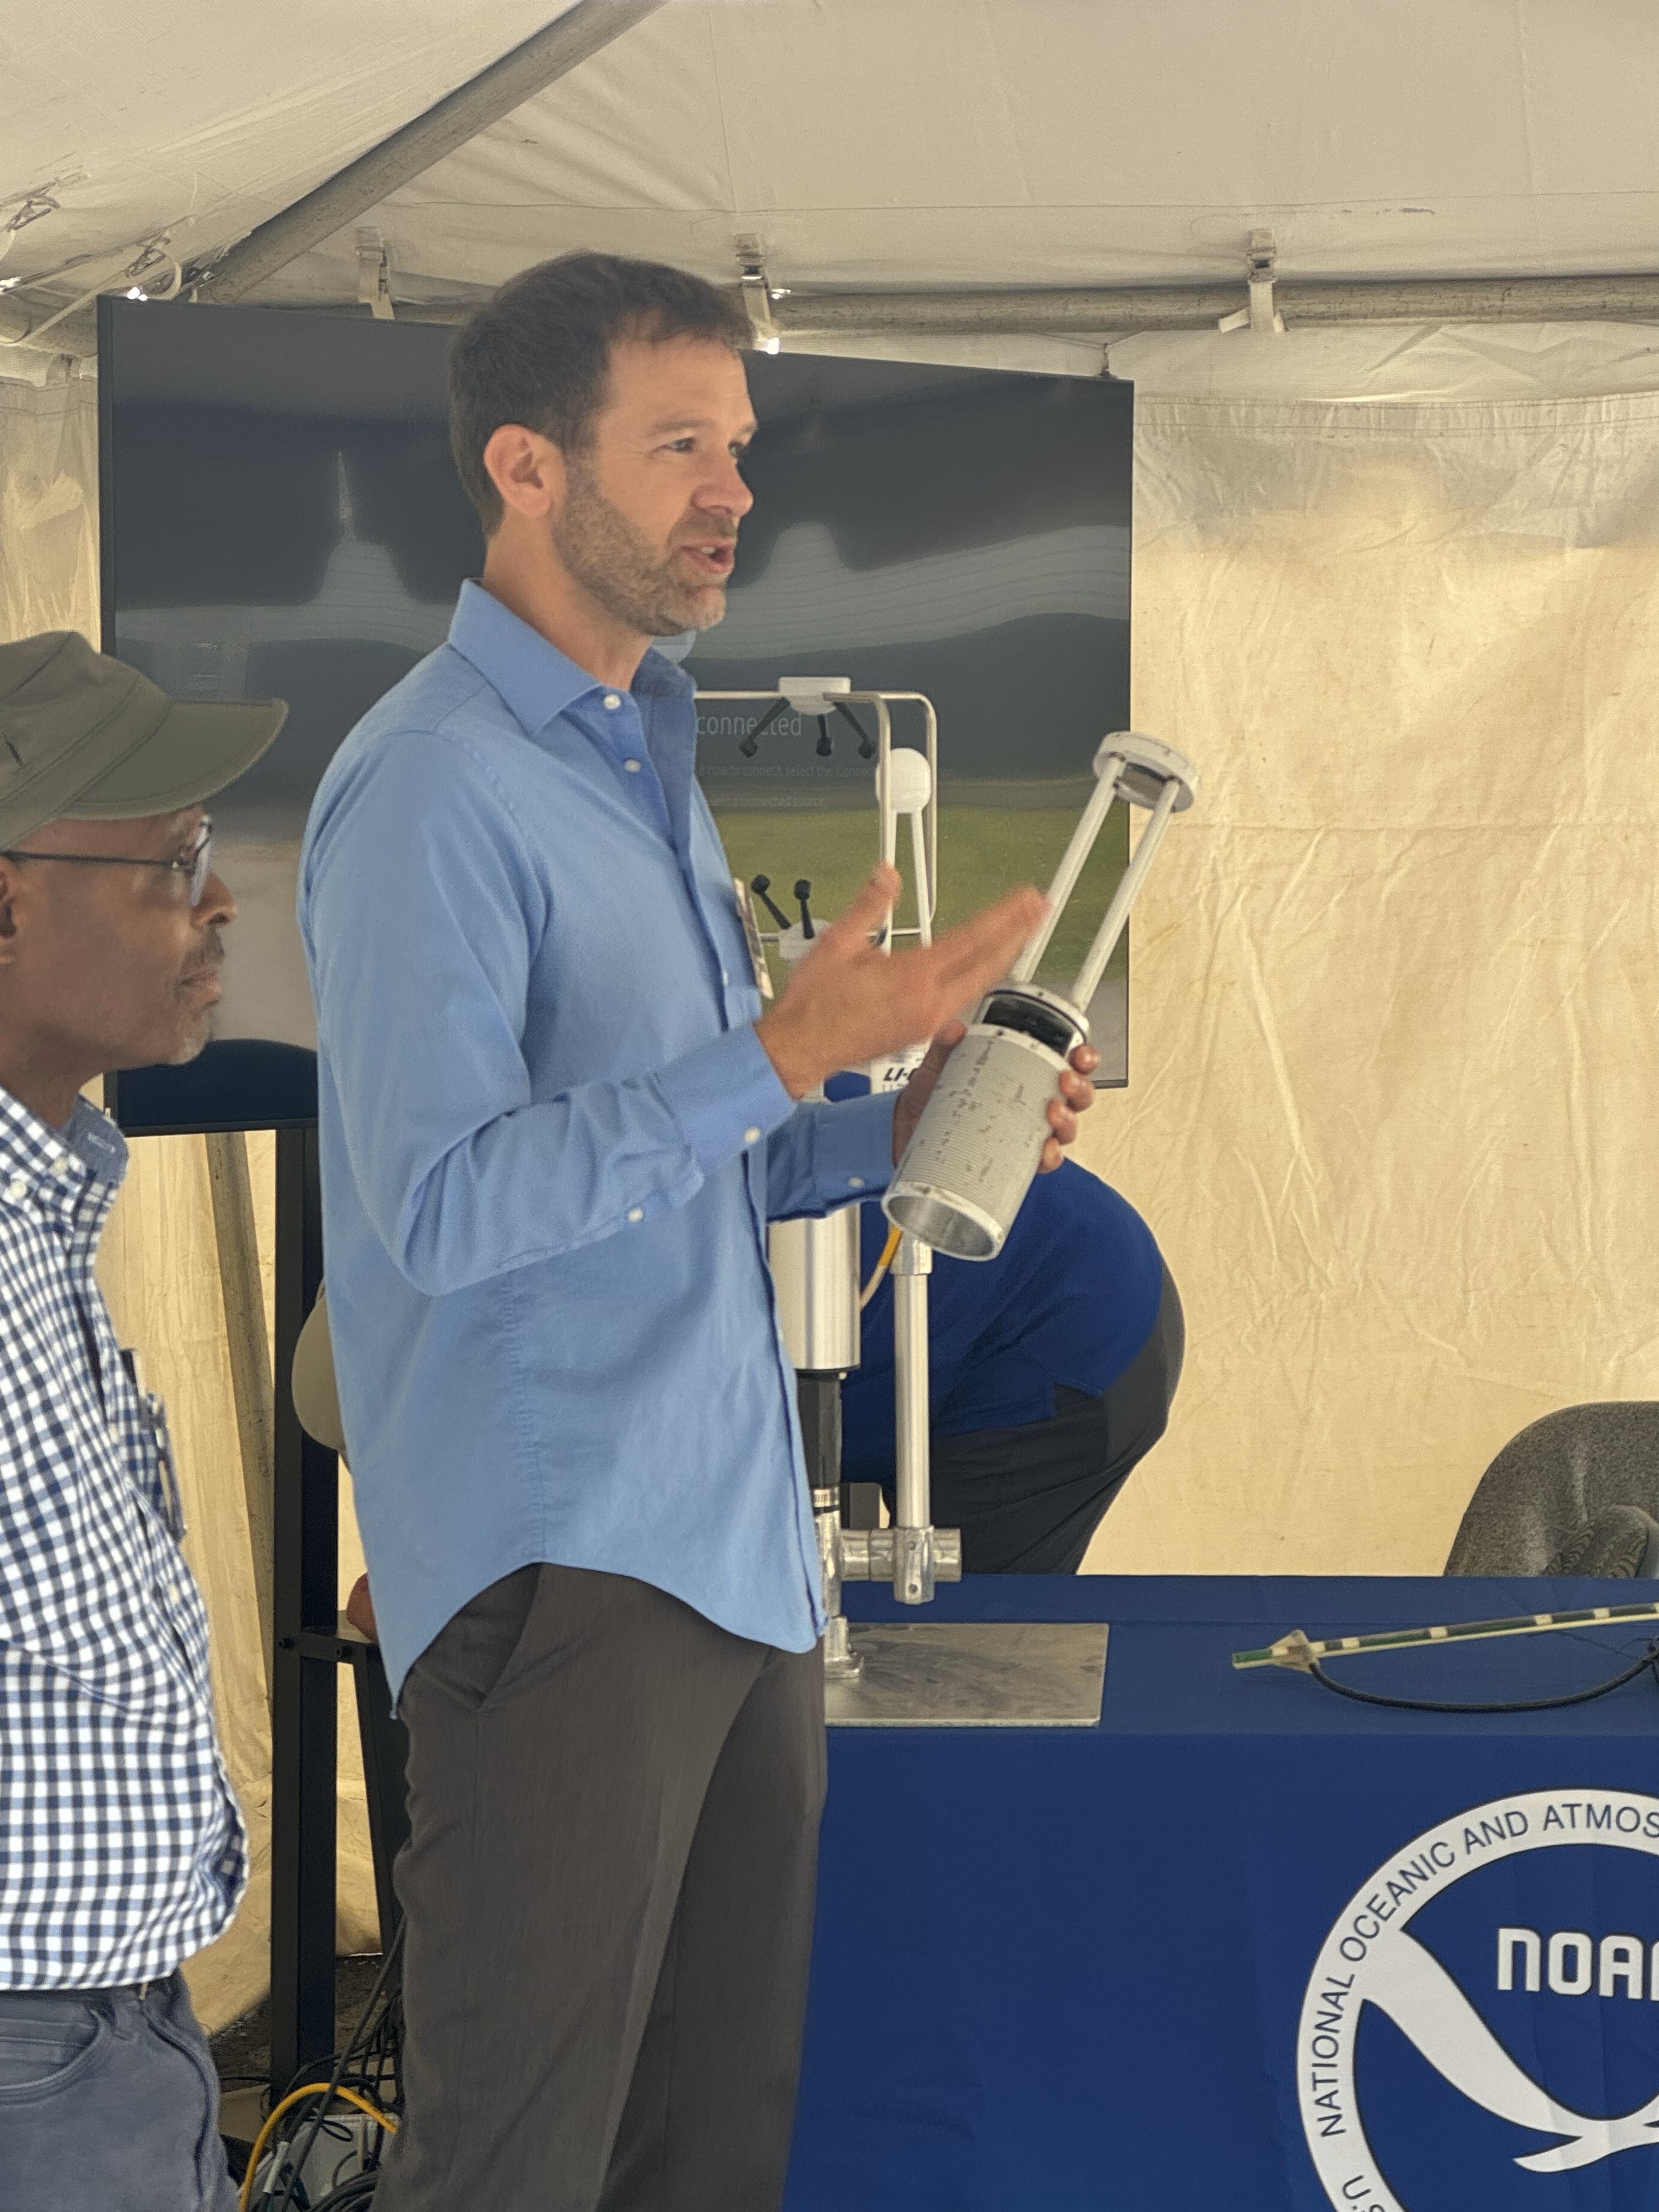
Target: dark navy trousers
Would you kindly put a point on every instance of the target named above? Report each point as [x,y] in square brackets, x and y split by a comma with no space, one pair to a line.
[1028,1499]
[108,2103]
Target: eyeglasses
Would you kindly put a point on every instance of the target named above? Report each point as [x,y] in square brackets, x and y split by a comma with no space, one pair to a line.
[196,864]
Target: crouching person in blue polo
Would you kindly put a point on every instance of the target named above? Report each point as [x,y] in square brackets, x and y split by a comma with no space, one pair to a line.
[122,1850]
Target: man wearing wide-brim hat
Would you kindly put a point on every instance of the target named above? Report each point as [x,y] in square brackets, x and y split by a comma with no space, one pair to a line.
[122,1850]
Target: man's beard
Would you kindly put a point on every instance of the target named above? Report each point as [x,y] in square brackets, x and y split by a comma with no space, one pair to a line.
[618,567]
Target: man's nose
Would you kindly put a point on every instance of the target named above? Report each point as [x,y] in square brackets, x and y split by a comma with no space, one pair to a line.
[725,493]
[217,909]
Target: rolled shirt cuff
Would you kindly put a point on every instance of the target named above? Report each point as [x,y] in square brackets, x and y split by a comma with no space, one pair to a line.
[725,1096]
[853,1147]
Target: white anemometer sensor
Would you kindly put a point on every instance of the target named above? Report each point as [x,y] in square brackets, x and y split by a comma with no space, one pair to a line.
[977,1145]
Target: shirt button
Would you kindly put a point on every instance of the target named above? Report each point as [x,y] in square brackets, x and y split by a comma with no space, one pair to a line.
[751,1136]
[17,1189]
[725,977]
[636,1213]
[855,1183]
[65,1172]
[613,700]
[633,767]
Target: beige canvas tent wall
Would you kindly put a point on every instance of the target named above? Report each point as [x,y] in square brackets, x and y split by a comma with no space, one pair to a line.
[1394,1039]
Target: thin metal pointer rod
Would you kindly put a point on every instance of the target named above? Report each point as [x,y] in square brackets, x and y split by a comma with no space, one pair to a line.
[1105,943]
[1072,860]
[1298,1650]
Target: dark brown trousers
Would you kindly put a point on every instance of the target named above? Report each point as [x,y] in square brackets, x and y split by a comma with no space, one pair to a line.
[608,1889]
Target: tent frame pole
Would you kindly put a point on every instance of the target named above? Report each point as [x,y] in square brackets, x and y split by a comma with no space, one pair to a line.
[1097,311]
[519,75]
[1091,312]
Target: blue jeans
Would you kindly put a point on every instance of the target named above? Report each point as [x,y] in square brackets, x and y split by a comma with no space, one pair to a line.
[108,2103]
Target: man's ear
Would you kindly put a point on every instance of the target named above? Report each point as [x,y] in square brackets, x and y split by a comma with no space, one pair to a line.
[526,469]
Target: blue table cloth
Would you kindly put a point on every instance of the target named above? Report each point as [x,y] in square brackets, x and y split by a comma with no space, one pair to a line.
[1069,1970]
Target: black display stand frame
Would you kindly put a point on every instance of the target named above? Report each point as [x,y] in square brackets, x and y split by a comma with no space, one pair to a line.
[305,1531]
[312,1638]
[313,1641]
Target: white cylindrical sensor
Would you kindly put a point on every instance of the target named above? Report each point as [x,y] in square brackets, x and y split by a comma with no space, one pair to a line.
[815,1272]
[979,1142]
[973,1154]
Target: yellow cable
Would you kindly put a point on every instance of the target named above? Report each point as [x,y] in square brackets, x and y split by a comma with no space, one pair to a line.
[310,2089]
[881,1265]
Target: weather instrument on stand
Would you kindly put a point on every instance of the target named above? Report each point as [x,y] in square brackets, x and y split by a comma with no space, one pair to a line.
[814,1263]
[973,1153]
[934,1673]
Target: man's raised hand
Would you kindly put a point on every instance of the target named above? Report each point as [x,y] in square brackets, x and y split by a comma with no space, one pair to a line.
[847,1003]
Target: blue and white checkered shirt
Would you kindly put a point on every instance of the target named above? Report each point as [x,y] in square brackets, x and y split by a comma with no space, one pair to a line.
[121,1847]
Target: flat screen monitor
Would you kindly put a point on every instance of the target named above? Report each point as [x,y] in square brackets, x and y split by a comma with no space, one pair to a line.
[281,519]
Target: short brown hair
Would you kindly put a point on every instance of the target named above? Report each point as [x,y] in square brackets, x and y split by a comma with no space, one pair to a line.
[539,352]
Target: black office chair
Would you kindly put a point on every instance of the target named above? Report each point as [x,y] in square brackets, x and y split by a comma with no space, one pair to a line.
[384,1740]
[1575,1493]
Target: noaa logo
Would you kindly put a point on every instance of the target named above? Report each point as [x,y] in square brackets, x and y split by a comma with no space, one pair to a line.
[1499,1974]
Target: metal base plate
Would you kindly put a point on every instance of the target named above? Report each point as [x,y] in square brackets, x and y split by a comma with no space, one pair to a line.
[980,1673]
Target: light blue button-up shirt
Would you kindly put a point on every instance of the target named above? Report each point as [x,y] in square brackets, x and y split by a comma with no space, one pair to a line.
[551,1141]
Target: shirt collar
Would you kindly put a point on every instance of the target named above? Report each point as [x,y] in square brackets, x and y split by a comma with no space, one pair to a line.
[29,1146]
[535,680]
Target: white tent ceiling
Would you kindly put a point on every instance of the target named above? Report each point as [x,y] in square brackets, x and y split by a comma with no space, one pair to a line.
[874,144]
[964,141]
[867,142]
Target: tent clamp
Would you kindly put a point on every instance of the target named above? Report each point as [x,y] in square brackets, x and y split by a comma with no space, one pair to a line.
[373,273]
[757,293]
[1261,273]
[27,207]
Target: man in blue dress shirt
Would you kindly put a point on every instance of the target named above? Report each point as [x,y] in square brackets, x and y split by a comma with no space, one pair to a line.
[555,1121]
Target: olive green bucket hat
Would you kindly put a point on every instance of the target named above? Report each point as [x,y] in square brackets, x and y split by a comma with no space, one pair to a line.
[85,736]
